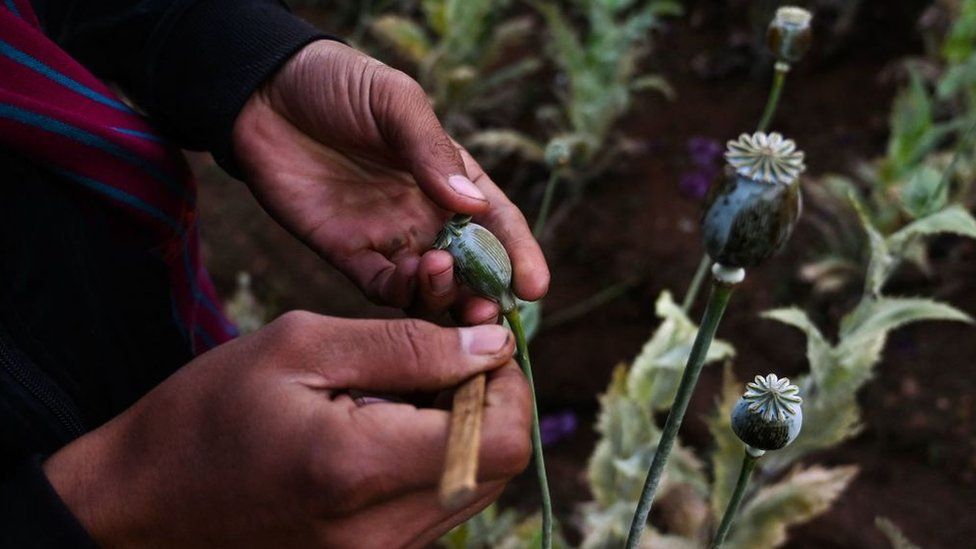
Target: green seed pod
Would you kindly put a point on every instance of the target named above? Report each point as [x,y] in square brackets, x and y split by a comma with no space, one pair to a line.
[789,34]
[480,260]
[750,215]
[769,415]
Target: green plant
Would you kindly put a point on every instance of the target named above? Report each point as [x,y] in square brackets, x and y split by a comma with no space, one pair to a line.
[927,163]
[767,417]
[599,77]
[748,219]
[481,262]
[462,54]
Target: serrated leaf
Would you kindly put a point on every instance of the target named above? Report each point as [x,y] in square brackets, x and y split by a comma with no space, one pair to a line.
[924,193]
[406,37]
[895,536]
[829,418]
[953,220]
[654,376]
[876,317]
[818,348]
[801,496]
[880,261]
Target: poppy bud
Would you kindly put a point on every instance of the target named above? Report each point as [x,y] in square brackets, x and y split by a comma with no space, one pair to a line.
[769,415]
[480,260]
[789,34]
[751,213]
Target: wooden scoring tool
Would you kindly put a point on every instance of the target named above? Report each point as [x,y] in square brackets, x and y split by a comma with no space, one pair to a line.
[463,444]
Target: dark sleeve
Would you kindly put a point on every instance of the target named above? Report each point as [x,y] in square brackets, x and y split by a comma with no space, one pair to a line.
[33,516]
[191,64]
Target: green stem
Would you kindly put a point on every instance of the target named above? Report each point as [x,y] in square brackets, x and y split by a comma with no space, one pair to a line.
[772,102]
[696,283]
[748,464]
[522,356]
[717,300]
[540,222]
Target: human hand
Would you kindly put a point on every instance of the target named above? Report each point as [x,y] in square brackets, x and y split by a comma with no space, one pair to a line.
[347,154]
[257,443]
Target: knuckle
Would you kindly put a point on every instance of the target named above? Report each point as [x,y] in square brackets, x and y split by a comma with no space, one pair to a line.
[415,341]
[289,331]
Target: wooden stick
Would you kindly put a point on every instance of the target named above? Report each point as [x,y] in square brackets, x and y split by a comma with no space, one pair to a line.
[463,443]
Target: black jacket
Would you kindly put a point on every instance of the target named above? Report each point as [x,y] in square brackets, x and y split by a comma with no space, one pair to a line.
[86,323]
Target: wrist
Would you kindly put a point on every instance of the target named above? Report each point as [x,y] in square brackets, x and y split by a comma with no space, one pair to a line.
[95,491]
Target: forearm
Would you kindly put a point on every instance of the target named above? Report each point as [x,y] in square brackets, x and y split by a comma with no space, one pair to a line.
[191,64]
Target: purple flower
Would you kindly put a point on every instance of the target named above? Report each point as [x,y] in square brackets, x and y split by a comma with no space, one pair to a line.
[695,185]
[704,151]
[556,427]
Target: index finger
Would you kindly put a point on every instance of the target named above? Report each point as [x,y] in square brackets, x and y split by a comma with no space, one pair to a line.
[530,276]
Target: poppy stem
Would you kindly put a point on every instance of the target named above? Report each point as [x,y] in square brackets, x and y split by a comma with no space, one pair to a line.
[522,357]
[722,286]
[748,464]
[772,102]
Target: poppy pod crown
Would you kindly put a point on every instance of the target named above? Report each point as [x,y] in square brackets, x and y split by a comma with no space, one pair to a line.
[769,414]
[769,158]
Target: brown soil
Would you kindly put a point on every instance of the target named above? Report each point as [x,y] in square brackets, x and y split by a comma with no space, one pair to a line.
[917,452]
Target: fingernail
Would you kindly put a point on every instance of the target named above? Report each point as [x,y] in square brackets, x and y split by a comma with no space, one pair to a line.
[440,283]
[463,185]
[484,340]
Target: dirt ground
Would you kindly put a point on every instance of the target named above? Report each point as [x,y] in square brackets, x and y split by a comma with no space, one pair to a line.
[917,452]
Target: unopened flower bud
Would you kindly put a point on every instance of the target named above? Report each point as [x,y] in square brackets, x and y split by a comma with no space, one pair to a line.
[769,415]
[789,34]
[752,212]
[480,260]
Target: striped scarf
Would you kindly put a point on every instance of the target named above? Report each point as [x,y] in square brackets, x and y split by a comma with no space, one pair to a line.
[54,112]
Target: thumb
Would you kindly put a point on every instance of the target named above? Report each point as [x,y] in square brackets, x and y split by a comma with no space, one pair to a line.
[397,356]
[405,118]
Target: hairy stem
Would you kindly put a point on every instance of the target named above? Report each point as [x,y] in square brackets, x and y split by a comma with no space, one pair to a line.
[717,300]
[696,282]
[748,464]
[540,221]
[522,356]
[772,102]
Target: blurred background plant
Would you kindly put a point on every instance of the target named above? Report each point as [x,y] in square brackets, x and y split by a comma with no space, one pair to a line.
[468,55]
[928,163]
[598,77]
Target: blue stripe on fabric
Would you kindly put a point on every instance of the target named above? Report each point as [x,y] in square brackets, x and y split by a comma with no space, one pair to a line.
[123,197]
[13,7]
[39,67]
[141,135]
[57,126]
[207,340]
[198,295]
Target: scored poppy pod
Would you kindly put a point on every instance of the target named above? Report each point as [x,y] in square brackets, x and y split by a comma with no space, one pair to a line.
[751,213]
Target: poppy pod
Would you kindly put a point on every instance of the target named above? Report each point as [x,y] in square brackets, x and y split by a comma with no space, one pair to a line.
[751,213]
[789,34]
[769,415]
[480,260]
